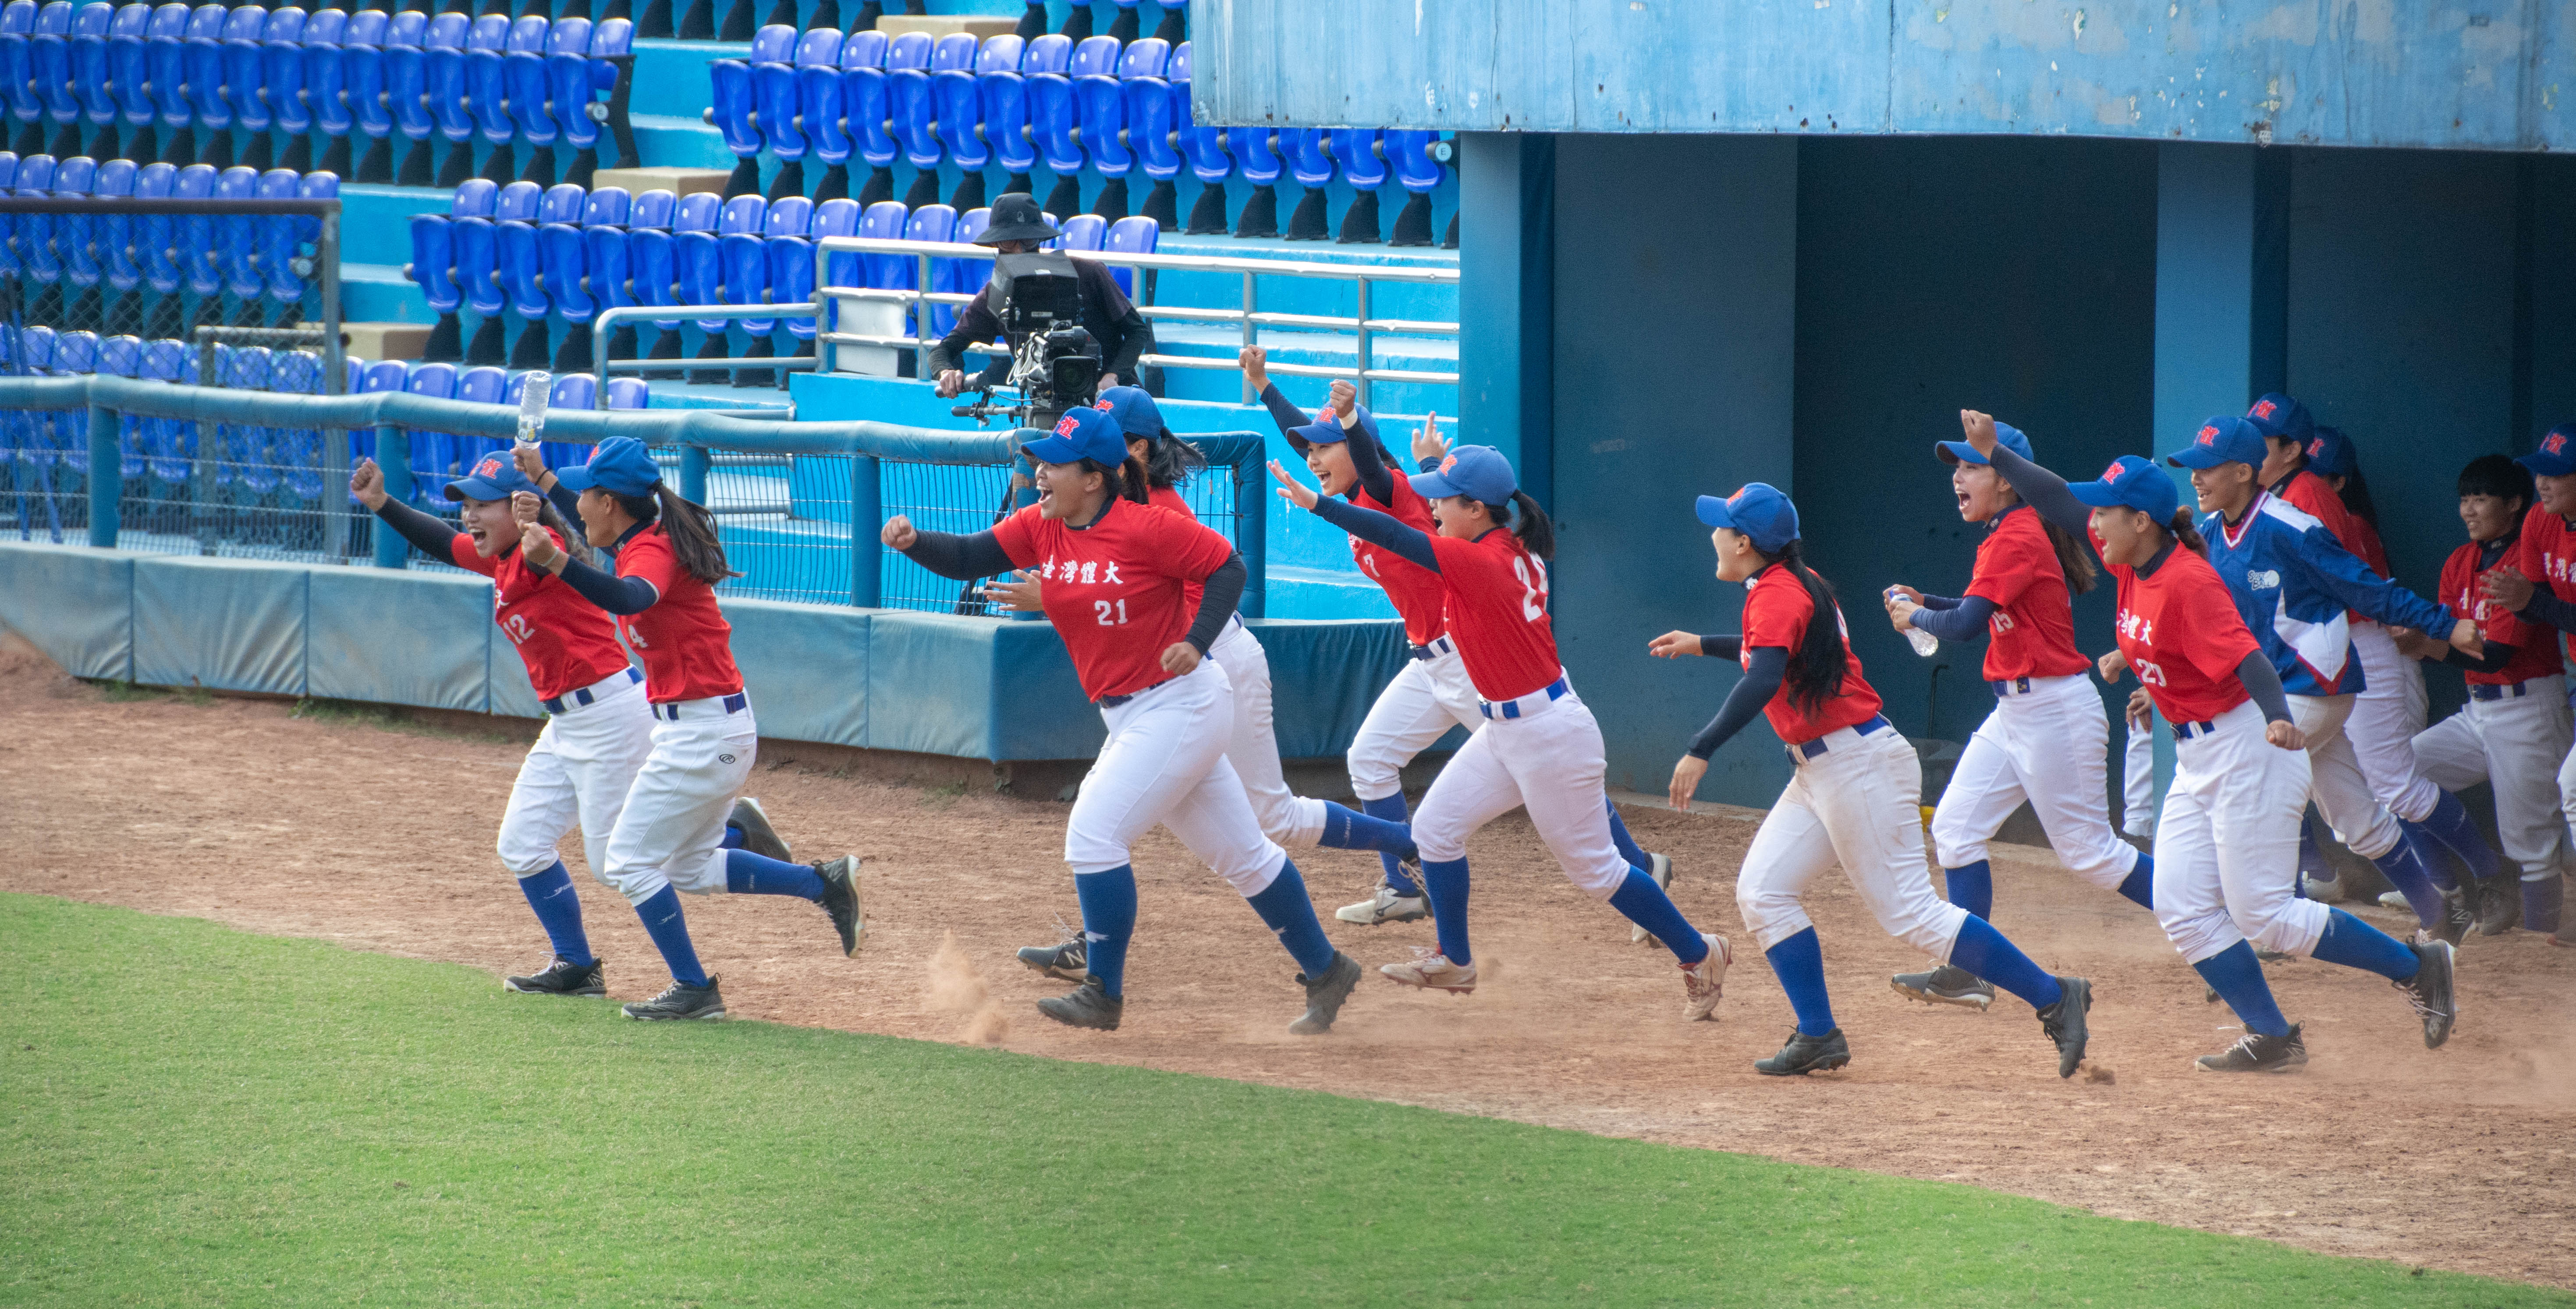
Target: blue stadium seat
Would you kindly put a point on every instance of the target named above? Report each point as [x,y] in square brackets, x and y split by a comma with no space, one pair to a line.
[838,218]
[754,104]
[36,344]
[1135,234]
[1408,153]
[817,79]
[36,231]
[628,393]
[1055,118]
[1152,131]
[476,246]
[245,446]
[203,47]
[129,76]
[743,270]
[606,262]
[18,72]
[1311,163]
[1002,100]
[241,68]
[883,221]
[444,96]
[1362,165]
[1203,147]
[433,454]
[933,223]
[523,78]
[1081,232]
[653,268]
[576,79]
[433,263]
[956,72]
[518,211]
[51,45]
[911,114]
[282,83]
[91,26]
[487,96]
[238,236]
[697,257]
[1100,110]
[790,253]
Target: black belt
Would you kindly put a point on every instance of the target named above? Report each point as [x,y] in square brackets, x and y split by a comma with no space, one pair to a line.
[2502,691]
[1810,749]
[1113,701]
[583,696]
[2186,731]
[732,704]
[2017,686]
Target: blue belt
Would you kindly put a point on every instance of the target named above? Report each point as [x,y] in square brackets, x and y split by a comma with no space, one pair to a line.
[2017,686]
[1810,749]
[1432,649]
[732,704]
[2186,731]
[1512,707]
[1113,701]
[583,696]
[2507,691]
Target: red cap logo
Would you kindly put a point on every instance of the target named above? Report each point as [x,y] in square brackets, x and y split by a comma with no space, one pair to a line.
[1738,497]
[488,468]
[2208,436]
[2317,448]
[2112,473]
[1065,426]
[2554,443]
[2261,409]
[1101,405]
[1452,462]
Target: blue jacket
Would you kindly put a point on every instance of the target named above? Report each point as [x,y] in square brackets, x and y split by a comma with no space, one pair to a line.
[2293,582]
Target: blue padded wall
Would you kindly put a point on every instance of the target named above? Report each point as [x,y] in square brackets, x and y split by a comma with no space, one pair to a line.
[805,668]
[224,624]
[398,637]
[76,604]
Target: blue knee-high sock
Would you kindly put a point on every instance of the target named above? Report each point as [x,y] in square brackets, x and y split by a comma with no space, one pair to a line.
[1982,950]
[1799,963]
[2140,885]
[1628,848]
[1446,879]
[1108,922]
[669,929]
[2238,978]
[750,874]
[2356,944]
[732,839]
[558,907]
[1648,907]
[2450,826]
[1972,887]
[1390,808]
[1285,906]
[1350,829]
[2411,873]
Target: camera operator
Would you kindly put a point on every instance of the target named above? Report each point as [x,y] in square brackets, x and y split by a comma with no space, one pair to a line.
[1122,333]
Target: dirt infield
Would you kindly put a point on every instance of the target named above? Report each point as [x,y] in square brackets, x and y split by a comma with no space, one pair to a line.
[2462,1159]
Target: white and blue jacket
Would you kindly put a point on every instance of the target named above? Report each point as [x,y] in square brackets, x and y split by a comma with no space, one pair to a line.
[2293,582]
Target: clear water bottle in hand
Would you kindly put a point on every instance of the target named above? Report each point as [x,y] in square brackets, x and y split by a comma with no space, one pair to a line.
[1925,643]
[532,407]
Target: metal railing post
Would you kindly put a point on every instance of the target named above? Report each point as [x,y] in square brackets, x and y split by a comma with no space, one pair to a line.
[393,455]
[335,381]
[1251,330]
[1364,363]
[695,461]
[921,321]
[867,518]
[106,477]
[1252,534]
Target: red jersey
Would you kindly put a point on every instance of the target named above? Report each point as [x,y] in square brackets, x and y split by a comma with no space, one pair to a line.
[2535,654]
[684,640]
[2032,632]
[1114,589]
[2308,491]
[2547,554]
[1413,589]
[2181,634]
[1494,601]
[1776,613]
[566,641]
[1169,497]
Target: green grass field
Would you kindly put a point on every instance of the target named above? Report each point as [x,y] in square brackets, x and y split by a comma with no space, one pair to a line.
[193,1115]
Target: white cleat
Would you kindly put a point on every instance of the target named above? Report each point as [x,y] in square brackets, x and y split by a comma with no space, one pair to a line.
[1704,981]
[1432,971]
[1660,868]
[1385,907]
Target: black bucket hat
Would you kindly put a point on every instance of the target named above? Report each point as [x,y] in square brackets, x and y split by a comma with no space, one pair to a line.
[1016,217]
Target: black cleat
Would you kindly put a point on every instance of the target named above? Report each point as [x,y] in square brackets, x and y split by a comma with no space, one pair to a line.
[1324,995]
[2064,1022]
[681,1001]
[2498,905]
[757,835]
[2429,991]
[841,901]
[2458,916]
[562,977]
[1947,984]
[1087,1005]
[1806,1054]
[1064,962]
[2258,1054]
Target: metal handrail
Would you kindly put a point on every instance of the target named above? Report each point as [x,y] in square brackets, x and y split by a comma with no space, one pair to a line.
[1249,316]
[607,320]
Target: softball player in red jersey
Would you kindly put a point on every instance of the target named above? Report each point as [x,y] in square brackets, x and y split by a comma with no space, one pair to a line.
[2227,841]
[2538,585]
[1113,574]
[1855,797]
[1540,747]
[670,836]
[2514,731]
[2047,740]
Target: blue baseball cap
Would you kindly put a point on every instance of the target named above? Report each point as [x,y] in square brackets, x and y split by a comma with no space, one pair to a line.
[2278,415]
[2133,483]
[1960,452]
[2330,453]
[1135,411]
[1760,510]
[621,464]
[494,477]
[2221,440]
[1081,434]
[2556,456]
[1327,429]
[1478,472]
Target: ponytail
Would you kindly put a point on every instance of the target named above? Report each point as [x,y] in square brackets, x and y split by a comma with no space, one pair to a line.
[2355,494]
[690,527]
[1537,534]
[2074,559]
[1816,667]
[2187,534]
[574,543]
[1173,461]
[1124,481]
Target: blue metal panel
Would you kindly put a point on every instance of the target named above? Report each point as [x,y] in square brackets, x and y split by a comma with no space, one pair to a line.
[2308,71]
[224,624]
[76,604]
[1505,225]
[806,668]
[408,638]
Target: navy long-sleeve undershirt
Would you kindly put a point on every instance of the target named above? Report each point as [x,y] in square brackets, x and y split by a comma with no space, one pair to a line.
[965,558]
[1962,620]
[1380,530]
[1761,681]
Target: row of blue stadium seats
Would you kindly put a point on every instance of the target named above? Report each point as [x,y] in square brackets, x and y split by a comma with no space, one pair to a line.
[374,74]
[1171,24]
[252,257]
[564,252]
[1019,105]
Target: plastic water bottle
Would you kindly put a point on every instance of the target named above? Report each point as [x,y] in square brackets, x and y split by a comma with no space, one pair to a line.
[1924,642]
[532,408]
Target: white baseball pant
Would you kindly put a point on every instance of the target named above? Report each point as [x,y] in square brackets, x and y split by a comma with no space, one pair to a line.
[2358,818]
[2138,779]
[1858,802]
[1252,745]
[2385,718]
[1426,698]
[1549,761]
[2048,745]
[577,775]
[1165,762]
[672,830]
[2511,744]
[2227,845]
